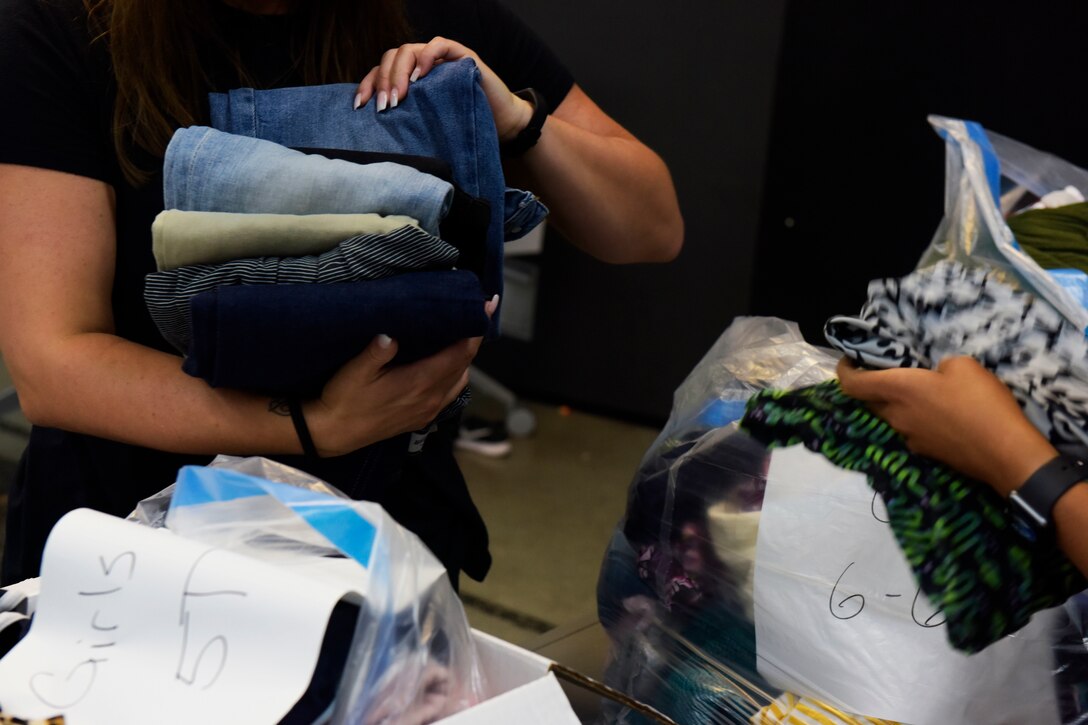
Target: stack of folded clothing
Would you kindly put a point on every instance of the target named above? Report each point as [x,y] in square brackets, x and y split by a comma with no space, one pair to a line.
[290,240]
[276,302]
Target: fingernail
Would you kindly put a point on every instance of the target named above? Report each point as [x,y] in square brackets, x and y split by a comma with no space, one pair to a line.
[492,305]
[415,75]
[358,101]
[393,98]
[383,101]
[384,341]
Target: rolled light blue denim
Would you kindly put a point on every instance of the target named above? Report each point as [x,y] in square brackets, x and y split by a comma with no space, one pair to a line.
[445,115]
[209,170]
[289,339]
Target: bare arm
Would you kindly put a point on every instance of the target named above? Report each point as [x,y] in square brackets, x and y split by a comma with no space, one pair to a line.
[962,415]
[609,193]
[57,247]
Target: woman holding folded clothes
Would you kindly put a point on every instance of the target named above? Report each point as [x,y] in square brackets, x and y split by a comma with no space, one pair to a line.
[963,416]
[94,91]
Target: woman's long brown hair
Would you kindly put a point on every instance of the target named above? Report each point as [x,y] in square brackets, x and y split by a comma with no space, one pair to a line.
[155,46]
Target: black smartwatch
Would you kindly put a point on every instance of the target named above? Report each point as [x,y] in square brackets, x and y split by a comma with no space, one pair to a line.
[529,135]
[1032,504]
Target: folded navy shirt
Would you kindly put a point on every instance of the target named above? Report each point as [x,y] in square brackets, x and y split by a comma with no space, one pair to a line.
[289,339]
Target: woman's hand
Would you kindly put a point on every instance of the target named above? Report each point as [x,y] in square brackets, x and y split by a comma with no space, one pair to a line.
[959,414]
[609,194]
[400,67]
[368,400]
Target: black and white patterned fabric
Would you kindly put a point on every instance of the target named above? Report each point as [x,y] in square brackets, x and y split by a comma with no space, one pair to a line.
[14,619]
[368,256]
[948,310]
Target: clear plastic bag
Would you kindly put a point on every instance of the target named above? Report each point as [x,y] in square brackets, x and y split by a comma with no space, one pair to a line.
[707,586]
[412,659]
[676,598]
[752,354]
[982,168]
[706,630]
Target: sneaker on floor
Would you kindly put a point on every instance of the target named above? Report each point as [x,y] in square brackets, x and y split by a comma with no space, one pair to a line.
[488,438]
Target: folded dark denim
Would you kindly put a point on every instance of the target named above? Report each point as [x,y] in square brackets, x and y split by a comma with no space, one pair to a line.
[289,339]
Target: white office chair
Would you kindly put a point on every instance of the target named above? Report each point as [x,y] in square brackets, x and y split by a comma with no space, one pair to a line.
[519,306]
[520,421]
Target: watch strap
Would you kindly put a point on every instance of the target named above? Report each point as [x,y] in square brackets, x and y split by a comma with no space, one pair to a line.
[301,429]
[1034,501]
[529,135]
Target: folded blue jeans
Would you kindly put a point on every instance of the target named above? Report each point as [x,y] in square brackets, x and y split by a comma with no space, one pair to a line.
[445,115]
[289,339]
[209,170]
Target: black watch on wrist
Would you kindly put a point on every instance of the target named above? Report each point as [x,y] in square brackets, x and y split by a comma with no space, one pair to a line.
[529,135]
[1032,504]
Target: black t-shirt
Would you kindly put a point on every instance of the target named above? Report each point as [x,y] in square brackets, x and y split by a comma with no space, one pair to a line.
[58,92]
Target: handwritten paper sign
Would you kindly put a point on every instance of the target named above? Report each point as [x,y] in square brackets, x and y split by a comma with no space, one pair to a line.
[136,625]
[839,616]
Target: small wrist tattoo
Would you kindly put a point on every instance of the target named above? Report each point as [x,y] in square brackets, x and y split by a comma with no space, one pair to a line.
[280,406]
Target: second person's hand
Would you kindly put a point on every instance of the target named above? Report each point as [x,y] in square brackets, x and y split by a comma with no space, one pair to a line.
[959,414]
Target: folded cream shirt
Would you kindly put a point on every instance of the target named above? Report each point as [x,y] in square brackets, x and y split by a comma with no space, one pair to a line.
[181,238]
[733,535]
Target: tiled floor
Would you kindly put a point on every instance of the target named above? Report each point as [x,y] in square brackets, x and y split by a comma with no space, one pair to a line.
[550,506]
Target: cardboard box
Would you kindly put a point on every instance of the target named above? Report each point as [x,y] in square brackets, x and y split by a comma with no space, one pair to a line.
[522,688]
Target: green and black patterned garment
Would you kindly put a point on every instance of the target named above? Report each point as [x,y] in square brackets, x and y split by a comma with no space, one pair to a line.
[955,532]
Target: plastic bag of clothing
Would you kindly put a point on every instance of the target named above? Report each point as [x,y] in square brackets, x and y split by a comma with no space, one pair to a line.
[258,601]
[412,659]
[675,600]
[752,354]
[748,584]
[988,177]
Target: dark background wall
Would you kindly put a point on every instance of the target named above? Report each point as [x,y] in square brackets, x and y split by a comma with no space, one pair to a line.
[854,184]
[796,134]
[693,80]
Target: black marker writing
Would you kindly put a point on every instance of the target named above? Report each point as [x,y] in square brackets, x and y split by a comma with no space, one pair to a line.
[872,508]
[928,623]
[857,599]
[62,693]
[66,691]
[98,627]
[215,649]
[107,571]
